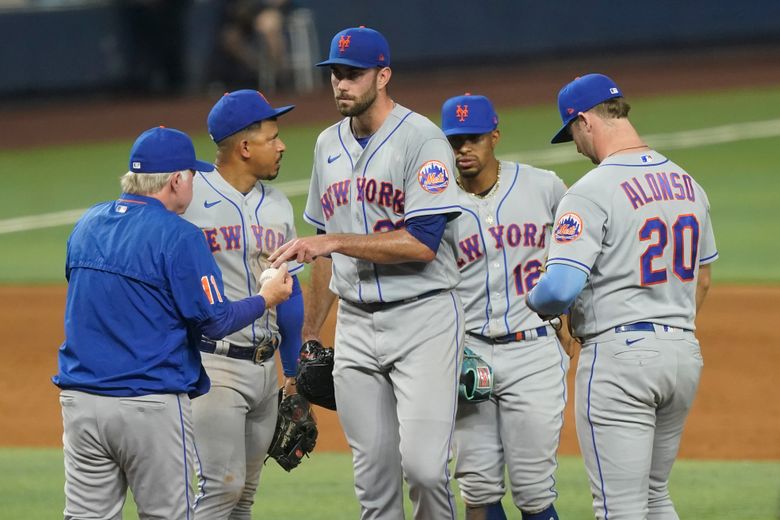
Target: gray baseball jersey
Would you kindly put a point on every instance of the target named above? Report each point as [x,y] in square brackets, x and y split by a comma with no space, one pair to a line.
[388,355]
[405,171]
[502,243]
[240,229]
[639,225]
[503,240]
[234,423]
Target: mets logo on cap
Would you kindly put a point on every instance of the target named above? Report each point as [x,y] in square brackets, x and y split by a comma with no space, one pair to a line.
[568,228]
[433,177]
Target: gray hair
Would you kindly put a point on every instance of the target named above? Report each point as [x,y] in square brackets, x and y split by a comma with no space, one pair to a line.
[146,183]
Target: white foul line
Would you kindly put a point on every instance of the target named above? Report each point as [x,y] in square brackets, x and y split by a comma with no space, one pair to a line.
[551,157]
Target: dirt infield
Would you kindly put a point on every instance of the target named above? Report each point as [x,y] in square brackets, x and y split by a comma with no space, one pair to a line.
[735,415]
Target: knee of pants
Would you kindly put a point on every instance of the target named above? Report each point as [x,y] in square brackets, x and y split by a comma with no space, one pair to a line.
[228,491]
[419,475]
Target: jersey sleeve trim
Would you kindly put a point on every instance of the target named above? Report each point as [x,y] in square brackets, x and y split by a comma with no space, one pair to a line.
[433,211]
[569,262]
[311,220]
[709,259]
[297,269]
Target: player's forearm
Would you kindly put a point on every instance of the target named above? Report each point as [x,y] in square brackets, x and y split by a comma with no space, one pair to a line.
[393,247]
[703,285]
[556,290]
[319,299]
[289,317]
[233,317]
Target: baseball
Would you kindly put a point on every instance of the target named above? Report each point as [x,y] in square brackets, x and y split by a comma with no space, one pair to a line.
[267,275]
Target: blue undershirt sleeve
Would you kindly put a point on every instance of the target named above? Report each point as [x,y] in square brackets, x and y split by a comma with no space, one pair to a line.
[557,289]
[289,317]
[428,229]
[235,316]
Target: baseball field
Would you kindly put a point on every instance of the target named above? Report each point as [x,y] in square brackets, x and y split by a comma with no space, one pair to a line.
[717,115]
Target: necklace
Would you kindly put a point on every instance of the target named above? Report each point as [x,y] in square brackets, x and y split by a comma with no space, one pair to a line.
[484,195]
[627,148]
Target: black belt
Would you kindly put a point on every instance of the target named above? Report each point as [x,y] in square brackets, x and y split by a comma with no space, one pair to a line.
[646,326]
[381,306]
[510,338]
[257,354]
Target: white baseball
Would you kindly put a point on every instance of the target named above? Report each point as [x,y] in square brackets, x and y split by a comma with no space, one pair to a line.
[267,275]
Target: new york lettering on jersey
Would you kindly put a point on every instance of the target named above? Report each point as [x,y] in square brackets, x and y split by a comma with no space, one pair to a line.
[372,191]
[501,247]
[405,170]
[257,222]
[249,228]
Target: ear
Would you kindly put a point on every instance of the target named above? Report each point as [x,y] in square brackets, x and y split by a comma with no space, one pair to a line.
[178,180]
[586,120]
[495,136]
[243,148]
[383,77]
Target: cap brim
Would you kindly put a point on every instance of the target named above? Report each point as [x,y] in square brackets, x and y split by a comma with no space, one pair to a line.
[469,130]
[345,61]
[282,110]
[202,166]
[563,135]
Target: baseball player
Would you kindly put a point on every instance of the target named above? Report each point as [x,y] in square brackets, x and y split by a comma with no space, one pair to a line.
[141,281]
[508,211]
[631,249]
[244,220]
[383,198]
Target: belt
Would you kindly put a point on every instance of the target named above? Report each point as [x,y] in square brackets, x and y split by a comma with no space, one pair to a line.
[646,326]
[257,354]
[381,306]
[523,335]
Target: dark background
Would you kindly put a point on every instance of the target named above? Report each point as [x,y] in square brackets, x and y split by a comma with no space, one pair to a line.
[69,47]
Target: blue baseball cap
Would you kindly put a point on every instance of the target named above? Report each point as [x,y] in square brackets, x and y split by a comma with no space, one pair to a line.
[582,94]
[237,110]
[359,47]
[468,114]
[165,150]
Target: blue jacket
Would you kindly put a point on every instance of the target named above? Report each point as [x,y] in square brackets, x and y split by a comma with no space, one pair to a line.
[142,282]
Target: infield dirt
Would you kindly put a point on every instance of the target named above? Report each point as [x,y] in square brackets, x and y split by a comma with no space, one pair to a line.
[735,415]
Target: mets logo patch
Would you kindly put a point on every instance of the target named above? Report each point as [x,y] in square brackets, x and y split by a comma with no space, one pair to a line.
[568,228]
[433,177]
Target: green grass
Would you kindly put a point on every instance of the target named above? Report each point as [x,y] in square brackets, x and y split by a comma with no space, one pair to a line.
[737,176]
[321,489]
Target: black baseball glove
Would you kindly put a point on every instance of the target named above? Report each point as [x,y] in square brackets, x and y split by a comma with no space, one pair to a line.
[296,432]
[314,380]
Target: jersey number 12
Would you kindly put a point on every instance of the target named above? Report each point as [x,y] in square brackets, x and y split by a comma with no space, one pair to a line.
[685,241]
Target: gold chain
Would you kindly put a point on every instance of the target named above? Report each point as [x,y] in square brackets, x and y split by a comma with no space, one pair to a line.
[492,191]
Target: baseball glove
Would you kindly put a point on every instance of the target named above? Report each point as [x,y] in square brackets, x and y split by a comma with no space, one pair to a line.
[314,380]
[295,434]
[476,378]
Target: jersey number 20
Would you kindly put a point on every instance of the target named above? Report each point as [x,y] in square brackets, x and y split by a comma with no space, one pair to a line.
[685,240]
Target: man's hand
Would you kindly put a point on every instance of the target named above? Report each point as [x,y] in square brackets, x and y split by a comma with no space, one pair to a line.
[303,250]
[277,289]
